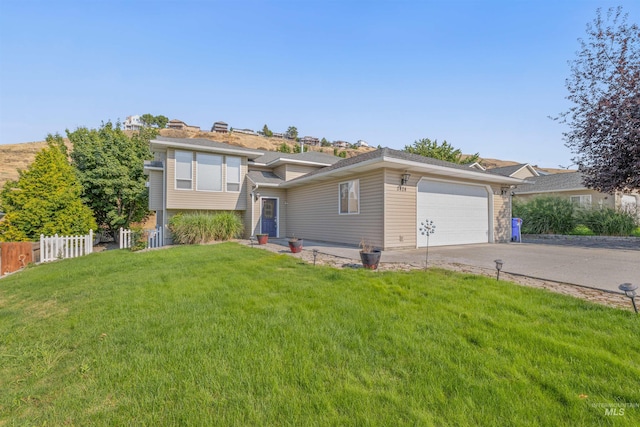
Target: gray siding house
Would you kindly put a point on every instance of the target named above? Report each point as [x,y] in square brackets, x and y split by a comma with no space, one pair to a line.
[381,196]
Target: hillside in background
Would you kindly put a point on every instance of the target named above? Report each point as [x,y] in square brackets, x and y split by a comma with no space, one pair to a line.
[19,156]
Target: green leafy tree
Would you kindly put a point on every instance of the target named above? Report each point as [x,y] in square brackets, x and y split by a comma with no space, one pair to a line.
[292,132]
[110,167]
[154,121]
[161,121]
[300,149]
[342,154]
[266,131]
[284,148]
[426,147]
[46,198]
[148,120]
[325,143]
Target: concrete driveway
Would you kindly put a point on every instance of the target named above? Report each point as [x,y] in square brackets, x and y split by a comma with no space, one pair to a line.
[600,268]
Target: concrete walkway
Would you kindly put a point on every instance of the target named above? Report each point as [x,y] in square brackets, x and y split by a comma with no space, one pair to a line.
[599,268]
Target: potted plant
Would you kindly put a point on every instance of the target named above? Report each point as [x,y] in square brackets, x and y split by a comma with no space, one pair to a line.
[263,239]
[369,256]
[295,244]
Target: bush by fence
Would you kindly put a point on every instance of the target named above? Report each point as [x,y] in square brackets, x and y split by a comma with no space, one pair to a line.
[202,227]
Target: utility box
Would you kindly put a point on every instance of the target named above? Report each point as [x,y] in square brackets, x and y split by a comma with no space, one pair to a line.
[516,233]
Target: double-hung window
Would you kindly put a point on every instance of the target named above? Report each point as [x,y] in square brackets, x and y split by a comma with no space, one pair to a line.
[349,193]
[184,164]
[233,173]
[209,172]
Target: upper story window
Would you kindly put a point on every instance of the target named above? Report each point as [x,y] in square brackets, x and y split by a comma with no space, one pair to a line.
[349,193]
[209,172]
[184,165]
[583,201]
[233,173]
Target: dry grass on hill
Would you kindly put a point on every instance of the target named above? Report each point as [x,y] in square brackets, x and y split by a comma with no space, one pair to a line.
[20,156]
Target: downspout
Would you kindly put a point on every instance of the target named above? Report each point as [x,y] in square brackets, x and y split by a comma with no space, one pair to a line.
[164,201]
[253,192]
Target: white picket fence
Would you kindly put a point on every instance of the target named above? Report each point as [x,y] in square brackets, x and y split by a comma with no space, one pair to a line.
[154,238]
[59,247]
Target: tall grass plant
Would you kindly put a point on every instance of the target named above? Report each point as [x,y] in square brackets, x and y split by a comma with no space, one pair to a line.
[205,227]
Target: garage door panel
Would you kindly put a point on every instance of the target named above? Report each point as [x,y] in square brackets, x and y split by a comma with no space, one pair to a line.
[460,213]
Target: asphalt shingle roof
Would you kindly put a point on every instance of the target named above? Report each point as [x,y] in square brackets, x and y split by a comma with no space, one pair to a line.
[397,154]
[507,170]
[309,156]
[263,177]
[208,143]
[554,182]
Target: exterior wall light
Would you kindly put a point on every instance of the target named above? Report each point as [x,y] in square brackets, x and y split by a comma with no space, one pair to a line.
[630,291]
[405,178]
[499,263]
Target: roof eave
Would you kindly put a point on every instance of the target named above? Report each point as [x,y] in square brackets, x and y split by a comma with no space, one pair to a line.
[406,164]
[175,144]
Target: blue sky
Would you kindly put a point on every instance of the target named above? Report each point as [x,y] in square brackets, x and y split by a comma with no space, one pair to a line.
[483,75]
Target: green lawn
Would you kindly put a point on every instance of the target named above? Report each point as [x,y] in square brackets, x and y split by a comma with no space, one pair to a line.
[230,335]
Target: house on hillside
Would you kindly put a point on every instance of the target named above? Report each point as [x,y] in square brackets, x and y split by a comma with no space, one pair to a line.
[180,125]
[310,140]
[220,127]
[570,185]
[132,123]
[382,195]
[361,143]
[340,144]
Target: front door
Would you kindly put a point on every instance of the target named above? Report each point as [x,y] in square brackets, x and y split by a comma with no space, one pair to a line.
[269,218]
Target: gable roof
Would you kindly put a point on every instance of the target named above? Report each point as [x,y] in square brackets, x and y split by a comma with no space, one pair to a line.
[551,183]
[511,170]
[202,144]
[274,158]
[264,178]
[387,157]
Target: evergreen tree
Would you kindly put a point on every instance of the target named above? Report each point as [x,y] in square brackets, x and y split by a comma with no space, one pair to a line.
[46,198]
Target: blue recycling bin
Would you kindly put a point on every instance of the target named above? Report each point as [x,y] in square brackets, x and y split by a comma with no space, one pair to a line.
[516,225]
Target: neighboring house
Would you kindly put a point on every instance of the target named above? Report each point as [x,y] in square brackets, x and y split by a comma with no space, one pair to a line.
[340,144]
[132,123]
[220,127]
[522,170]
[180,125]
[310,140]
[362,143]
[322,197]
[570,185]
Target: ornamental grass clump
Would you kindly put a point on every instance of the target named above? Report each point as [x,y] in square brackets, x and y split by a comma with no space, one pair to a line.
[609,222]
[546,215]
[203,227]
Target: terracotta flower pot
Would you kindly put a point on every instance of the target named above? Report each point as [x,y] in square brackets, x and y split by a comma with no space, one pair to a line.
[295,245]
[263,239]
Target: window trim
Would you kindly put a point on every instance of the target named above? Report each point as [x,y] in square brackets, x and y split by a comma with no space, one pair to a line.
[227,182]
[357,212]
[221,174]
[175,172]
[579,202]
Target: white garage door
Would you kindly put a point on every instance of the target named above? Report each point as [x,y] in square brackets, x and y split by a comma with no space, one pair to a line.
[459,212]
